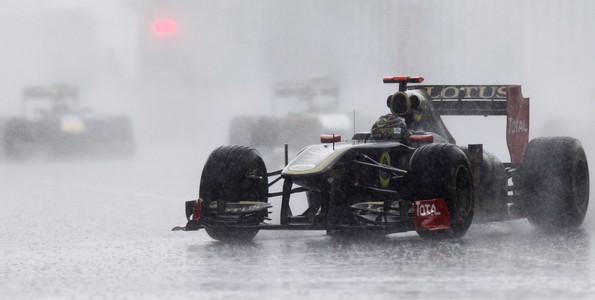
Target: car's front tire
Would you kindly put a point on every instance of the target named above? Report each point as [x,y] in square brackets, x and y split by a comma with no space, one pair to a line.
[233,174]
[442,171]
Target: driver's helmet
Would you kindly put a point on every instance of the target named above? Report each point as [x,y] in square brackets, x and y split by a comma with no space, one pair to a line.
[390,127]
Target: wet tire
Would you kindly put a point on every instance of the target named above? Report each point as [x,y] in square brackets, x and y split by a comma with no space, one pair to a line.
[17,139]
[233,174]
[442,171]
[554,183]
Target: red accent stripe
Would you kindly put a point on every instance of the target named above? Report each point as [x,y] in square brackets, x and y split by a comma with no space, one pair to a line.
[424,138]
[197,210]
[330,138]
[517,123]
[401,78]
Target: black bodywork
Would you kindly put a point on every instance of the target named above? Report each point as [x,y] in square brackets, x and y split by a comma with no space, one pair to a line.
[379,184]
[52,124]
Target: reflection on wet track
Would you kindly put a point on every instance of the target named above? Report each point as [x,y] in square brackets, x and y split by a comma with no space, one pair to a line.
[101,230]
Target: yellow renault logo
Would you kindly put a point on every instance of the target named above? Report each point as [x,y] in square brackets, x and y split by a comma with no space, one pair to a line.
[384,176]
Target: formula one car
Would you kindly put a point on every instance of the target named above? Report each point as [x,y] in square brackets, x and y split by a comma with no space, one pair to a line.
[53,123]
[300,108]
[407,174]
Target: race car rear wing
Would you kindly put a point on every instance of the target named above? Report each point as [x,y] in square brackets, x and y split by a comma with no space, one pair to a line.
[59,96]
[54,91]
[470,100]
[308,88]
[486,100]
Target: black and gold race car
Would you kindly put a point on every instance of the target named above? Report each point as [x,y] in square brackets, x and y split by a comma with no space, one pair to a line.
[53,124]
[406,174]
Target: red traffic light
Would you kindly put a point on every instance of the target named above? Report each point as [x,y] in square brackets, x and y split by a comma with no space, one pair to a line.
[164,27]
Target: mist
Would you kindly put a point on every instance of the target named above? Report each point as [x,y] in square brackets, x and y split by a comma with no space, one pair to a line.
[182,70]
[224,57]
[181,89]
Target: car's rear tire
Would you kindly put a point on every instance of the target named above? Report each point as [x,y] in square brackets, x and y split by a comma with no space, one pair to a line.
[554,183]
[442,171]
[232,174]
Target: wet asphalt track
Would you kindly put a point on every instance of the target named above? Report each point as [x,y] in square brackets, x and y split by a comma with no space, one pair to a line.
[101,230]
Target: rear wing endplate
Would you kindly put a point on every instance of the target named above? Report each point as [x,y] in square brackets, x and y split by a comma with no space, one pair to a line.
[486,100]
[517,123]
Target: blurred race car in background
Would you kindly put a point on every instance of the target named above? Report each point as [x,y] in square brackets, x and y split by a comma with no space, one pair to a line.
[53,124]
[406,174]
[300,108]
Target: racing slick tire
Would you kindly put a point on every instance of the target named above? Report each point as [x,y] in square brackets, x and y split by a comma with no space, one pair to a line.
[234,173]
[554,183]
[17,139]
[442,171]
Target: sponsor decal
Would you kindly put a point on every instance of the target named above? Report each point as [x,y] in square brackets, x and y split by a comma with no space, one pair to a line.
[384,176]
[427,209]
[469,91]
[389,131]
[516,126]
[242,209]
[431,214]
